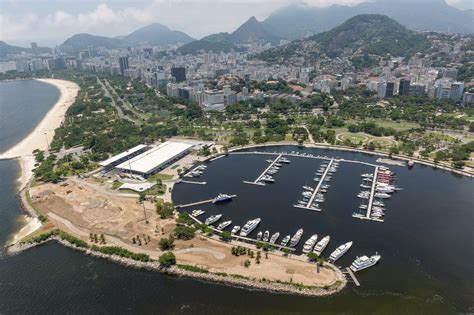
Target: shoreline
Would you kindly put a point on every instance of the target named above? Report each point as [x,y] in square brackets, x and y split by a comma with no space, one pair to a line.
[215,278]
[45,129]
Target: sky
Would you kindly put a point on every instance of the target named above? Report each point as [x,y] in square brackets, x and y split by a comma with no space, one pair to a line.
[50,22]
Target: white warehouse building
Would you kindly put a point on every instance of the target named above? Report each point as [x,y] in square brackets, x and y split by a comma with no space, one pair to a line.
[155,159]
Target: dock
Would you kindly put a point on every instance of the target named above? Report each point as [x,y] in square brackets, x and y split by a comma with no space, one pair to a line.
[199,202]
[352,275]
[191,182]
[367,216]
[257,181]
[316,190]
[244,239]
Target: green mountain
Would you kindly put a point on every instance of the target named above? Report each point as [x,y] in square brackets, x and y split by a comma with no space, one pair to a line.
[250,31]
[6,49]
[157,34]
[300,20]
[363,34]
[82,41]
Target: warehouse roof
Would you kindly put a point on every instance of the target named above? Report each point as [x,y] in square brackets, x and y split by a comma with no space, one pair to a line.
[155,157]
[119,156]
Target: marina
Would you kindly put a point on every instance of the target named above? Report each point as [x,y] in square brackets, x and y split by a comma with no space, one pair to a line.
[316,191]
[264,176]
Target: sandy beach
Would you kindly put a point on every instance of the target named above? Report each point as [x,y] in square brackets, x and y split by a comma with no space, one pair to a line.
[43,134]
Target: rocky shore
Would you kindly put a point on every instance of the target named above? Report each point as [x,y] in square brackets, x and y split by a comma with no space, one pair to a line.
[230,280]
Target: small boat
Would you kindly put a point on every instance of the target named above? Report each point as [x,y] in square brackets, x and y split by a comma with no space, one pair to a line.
[223,225]
[235,229]
[266,236]
[308,188]
[197,213]
[274,237]
[285,240]
[259,235]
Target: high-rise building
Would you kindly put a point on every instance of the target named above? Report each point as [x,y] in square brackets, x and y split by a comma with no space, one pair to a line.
[456,91]
[385,89]
[404,87]
[417,90]
[179,73]
[468,98]
[123,63]
[34,47]
[450,73]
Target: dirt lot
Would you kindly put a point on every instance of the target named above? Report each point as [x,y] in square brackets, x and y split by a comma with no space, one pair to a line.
[81,209]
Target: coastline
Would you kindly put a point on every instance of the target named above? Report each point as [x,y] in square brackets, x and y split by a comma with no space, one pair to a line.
[22,151]
[225,279]
[43,133]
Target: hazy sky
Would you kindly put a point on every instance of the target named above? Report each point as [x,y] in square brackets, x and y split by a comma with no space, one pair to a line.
[50,22]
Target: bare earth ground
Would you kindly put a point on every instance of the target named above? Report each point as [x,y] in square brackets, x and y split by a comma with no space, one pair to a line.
[79,209]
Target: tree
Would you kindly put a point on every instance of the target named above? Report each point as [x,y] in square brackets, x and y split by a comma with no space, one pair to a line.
[167,260]
[183,218]
[167,243]
[165,209]
[184,232]
[226,236]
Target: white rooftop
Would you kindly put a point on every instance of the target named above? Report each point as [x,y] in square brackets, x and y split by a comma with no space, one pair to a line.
[155,157]
[122,155]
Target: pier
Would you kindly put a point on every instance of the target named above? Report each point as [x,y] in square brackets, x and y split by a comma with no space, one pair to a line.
[316,190]
[257,181]
[191,182]
[199,202]
[244,239]
[367,216]
[352,275]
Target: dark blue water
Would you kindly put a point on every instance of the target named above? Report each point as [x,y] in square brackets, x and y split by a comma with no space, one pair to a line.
[23,104]
[426,244]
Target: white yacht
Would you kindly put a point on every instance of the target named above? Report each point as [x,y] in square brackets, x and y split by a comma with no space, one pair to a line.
[365,262]
[249,227]
[221,198]
[197,212]
[308,188]
[296,238]
[266,236]
[235,229]
[223,225]
[308,246]
[259,235]
[321,245]
[285,240]
[382,195]
[274,237]
[341,250]
[213,219]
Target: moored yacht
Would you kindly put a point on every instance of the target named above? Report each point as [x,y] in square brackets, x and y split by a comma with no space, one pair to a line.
[235,229]
[266,236]
[213,219]
[221,198]
[321,245]
[296,238]
[249,227]
[223,225]
[309,244]
[274,237]
[259,235]
[341,250]
[285,240]
[365,262]
[196,213]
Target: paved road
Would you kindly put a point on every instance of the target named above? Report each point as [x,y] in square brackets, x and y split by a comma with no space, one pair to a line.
[114,104]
